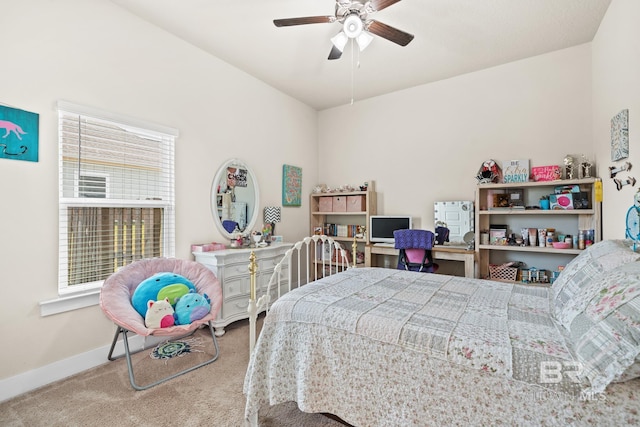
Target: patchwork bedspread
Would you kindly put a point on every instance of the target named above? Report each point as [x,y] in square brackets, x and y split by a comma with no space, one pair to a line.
[389,347]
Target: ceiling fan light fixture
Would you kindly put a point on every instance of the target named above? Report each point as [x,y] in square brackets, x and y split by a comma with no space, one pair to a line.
[340,41]
[363,40]
[353,26]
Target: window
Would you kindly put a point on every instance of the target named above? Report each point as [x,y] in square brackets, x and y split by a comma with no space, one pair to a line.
[116,200]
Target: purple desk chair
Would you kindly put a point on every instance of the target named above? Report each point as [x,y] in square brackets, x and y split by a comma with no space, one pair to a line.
[415,250]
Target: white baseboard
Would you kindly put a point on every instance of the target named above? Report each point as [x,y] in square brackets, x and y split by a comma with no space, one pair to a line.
[31,380]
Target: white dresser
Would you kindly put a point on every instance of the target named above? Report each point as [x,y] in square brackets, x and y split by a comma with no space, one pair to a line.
[231,267]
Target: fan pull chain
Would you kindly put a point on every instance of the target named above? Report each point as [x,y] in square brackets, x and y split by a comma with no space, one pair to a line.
[352,70]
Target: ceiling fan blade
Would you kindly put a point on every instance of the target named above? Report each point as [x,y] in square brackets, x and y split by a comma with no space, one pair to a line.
[335,53]
[388,32]
[287,22]
[378,5]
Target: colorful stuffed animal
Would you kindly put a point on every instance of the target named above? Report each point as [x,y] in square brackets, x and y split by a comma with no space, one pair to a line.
[160,314]
[158,287]
[192,306]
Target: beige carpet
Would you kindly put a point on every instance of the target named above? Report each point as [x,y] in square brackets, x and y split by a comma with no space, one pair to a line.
[209,396]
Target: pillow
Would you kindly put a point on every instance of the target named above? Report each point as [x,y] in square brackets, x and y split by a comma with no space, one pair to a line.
[158,287]
[580,280]
[605,336]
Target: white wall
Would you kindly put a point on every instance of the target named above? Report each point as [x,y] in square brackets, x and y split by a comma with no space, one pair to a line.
[96,54]
[616,86]
[427,143]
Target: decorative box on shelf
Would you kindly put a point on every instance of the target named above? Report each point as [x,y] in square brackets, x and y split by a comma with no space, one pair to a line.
[339,204]
[356,204]
[325,204]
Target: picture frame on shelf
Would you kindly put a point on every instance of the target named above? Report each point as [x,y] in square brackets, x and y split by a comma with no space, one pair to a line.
[516,198]
[497,236]
[501,200]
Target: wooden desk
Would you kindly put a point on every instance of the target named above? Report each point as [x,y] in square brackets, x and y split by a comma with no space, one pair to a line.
[450,253]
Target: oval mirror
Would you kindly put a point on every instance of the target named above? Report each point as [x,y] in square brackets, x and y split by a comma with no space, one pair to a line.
[234,198]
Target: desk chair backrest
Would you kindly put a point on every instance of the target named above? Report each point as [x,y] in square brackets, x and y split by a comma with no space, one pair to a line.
[414,250]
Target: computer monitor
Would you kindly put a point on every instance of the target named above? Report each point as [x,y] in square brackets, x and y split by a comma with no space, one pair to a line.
[381,227]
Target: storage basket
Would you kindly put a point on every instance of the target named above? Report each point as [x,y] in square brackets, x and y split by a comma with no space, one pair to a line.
[503,272]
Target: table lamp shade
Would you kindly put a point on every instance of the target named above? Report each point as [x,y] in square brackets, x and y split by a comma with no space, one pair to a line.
[272,214]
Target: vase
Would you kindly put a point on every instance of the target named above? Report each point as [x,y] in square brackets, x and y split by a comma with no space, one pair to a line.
[544,205]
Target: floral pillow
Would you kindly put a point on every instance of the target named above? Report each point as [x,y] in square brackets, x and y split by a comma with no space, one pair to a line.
[606,334]
[581,279]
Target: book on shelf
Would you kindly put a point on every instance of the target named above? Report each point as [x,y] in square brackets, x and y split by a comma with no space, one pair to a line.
[340,230]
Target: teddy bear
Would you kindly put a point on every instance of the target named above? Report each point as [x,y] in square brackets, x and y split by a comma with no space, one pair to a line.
[160,314]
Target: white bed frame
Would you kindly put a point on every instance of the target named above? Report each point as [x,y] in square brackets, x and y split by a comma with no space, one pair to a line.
[310,253]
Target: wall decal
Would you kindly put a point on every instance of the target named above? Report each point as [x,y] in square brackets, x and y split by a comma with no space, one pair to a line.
[20,138]
[620,136]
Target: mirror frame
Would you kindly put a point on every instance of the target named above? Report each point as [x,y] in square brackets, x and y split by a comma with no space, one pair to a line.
[222,171]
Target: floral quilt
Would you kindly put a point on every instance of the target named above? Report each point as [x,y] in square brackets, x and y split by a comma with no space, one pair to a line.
[390,347]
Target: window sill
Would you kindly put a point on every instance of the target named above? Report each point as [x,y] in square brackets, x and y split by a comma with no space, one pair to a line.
[69,303]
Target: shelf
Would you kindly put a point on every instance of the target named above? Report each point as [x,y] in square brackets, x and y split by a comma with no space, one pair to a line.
[347,239]
[341,193]
[538,249]
[564,221]
[537,212]
[339,213]
[556,183]
[355,214]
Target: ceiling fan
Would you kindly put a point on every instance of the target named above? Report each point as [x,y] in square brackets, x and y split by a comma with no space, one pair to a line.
[356,24]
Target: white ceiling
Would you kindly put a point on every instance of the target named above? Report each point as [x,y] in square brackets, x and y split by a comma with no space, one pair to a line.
[452,37]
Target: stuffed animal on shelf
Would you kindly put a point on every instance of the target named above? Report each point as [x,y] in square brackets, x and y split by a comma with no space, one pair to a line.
[489,172]
[160,314]
[192,306]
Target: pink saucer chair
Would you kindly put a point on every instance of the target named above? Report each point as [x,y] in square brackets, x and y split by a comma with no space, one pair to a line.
[115,302]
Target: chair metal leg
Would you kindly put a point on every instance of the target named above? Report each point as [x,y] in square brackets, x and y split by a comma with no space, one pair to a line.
[127,354]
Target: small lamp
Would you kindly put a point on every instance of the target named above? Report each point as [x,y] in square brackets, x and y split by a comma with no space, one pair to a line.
[272,215]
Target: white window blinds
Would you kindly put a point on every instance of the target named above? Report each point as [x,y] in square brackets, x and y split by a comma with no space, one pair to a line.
[116,200]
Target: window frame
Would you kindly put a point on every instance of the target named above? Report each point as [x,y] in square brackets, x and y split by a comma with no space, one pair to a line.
[166,135]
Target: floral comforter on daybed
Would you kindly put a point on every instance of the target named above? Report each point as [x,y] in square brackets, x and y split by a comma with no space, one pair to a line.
[381,347]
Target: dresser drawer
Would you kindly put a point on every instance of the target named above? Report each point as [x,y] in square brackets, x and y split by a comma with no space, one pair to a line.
[233,271]
[235,308]
[237,286]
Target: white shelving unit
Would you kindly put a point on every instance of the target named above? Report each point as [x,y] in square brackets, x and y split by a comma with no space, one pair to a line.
[320,217]
[567,222]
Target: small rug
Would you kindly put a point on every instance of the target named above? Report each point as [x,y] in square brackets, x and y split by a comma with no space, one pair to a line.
[170,349]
